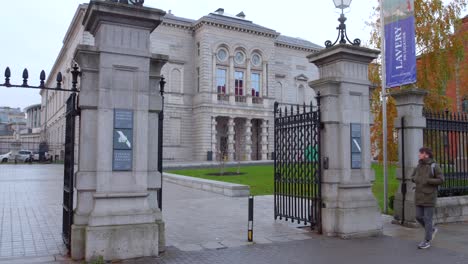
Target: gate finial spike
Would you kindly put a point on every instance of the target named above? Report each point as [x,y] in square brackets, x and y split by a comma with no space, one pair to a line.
[7,76]
[280,112]
[297,109]
[59,80]
[25,77]
[42,77]
[304,107]
[292,110]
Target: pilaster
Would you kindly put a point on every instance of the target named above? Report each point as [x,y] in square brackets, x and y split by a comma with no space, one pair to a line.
[349,207]
[410,124]
[118,207]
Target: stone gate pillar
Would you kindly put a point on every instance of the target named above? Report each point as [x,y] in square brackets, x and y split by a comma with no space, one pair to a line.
[349,207]
[117,214]
[410,104]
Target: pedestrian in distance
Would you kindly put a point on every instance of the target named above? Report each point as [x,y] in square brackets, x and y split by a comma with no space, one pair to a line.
[427,176]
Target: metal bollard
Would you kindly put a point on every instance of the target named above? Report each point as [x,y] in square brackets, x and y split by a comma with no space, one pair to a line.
[250,224]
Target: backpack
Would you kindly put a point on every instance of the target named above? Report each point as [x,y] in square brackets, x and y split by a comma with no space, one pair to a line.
[433,165]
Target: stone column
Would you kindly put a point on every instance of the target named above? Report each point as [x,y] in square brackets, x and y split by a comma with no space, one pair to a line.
[264,139]
[248,140]
[248,83]
[349,207]
[117,216]
[263,90]
[231,89]
[410,104]
[214,88]
[214,137]
[231,139]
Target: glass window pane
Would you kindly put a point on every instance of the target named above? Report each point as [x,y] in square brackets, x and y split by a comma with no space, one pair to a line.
[221,81]
[256,84]
[239,83]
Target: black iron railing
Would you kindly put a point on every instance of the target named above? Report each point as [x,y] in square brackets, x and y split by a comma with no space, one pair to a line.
[446,134]
[297,168]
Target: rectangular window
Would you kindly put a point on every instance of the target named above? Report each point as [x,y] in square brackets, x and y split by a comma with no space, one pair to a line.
[198,48]
[239,83]
[256,84]
[221,81]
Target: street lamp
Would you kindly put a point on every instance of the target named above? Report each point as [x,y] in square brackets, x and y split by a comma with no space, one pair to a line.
[342,4]
[342,35]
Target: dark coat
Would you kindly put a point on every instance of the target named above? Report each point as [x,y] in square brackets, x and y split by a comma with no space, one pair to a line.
[427,182]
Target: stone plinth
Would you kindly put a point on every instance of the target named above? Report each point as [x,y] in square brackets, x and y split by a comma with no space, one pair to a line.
[410,104]
[349,207]
[117,215]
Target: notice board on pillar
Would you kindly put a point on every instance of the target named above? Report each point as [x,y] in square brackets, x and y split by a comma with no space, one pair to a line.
[356,149]
[123,140]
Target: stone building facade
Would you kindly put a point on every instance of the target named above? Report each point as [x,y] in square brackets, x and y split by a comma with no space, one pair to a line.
[223,76]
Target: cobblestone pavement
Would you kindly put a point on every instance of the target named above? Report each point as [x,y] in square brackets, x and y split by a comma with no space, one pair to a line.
[30,210]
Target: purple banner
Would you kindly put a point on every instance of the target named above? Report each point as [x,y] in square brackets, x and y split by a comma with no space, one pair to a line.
[400,44]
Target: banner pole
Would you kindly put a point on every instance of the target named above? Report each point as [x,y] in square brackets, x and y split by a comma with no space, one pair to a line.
[384,106]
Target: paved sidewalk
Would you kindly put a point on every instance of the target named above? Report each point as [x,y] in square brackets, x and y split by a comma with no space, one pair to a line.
[204,227]
[453,237]
[318,250]
[197,220]
[30,210]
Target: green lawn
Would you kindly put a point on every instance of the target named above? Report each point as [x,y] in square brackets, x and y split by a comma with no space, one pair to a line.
[260,179]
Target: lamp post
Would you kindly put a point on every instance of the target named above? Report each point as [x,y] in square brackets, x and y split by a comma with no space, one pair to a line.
[342,34]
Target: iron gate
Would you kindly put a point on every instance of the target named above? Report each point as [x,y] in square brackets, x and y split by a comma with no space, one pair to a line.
[72,112]
[297,169]
[69,168]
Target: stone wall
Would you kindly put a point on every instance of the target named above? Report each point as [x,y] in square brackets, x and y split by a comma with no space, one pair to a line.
[451,209]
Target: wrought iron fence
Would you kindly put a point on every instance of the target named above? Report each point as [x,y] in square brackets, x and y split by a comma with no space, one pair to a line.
[297,171]
[446,134]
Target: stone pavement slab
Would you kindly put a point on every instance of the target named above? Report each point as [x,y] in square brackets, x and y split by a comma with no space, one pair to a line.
[319,250]
[30,211]
[202,218]
[450,236]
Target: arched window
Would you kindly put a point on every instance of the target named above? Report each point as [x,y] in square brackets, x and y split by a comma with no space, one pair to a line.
[279,92]
[176,81]
[301,94]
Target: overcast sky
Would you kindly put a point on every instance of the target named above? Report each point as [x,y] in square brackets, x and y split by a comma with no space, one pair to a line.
[32,31]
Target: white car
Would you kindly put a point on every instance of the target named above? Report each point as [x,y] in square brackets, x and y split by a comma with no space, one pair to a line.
[24,156]
[36,156]
[6,157]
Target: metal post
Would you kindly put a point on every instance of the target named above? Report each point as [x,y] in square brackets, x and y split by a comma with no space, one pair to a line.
[162,83]
[403,171]
[250,219]
[384,108]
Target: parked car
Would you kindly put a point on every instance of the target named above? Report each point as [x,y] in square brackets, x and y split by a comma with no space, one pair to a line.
[6,157]
[36,156]
[24,156]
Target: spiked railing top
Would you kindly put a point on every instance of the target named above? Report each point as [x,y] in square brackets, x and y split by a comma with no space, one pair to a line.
[42,78]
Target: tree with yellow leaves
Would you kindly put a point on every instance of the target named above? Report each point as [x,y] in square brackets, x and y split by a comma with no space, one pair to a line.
[438,49]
